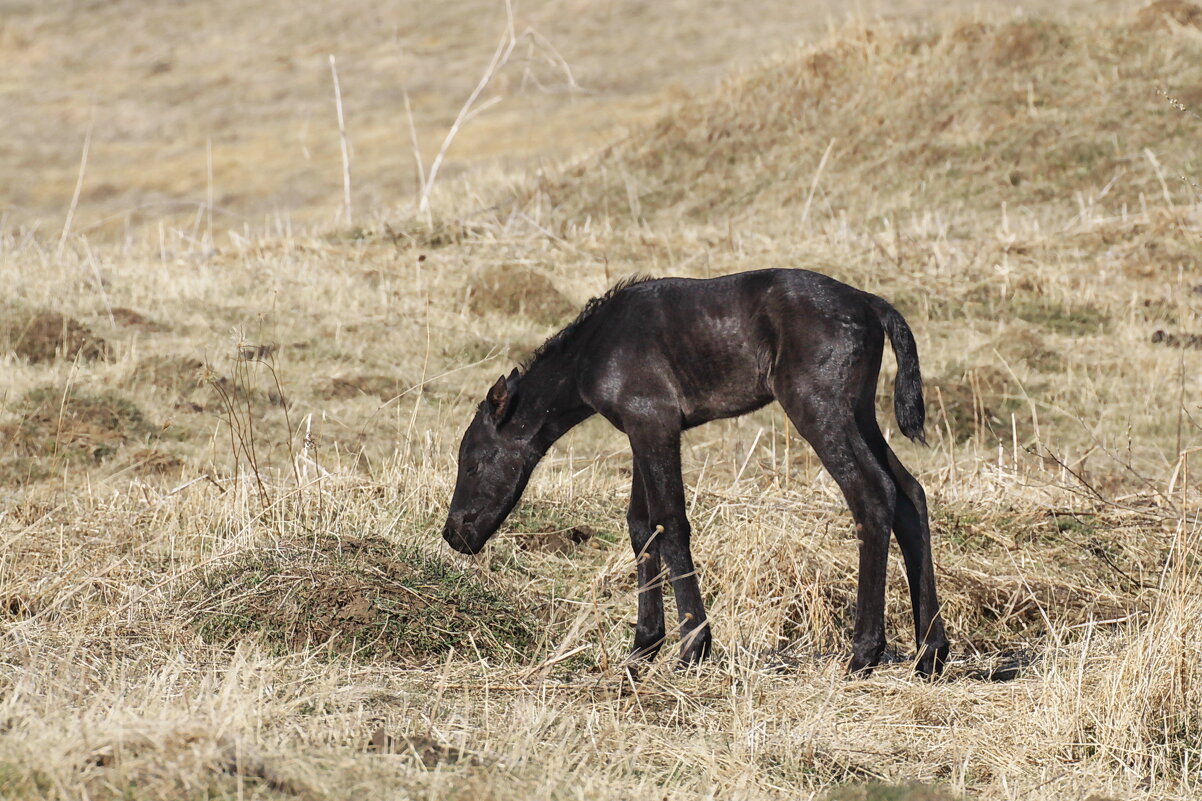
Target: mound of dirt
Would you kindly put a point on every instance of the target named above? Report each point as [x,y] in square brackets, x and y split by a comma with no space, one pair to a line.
[134,319]
[978,400]
[57,426]
[382,387]
[155,462]
[1163,13]
[43,335]
[1024,40]
[57,421]
[173,373]
[359,596]
[518,291]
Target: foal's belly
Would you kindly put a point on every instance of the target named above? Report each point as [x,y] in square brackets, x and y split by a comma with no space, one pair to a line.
[721,388]
[734,408]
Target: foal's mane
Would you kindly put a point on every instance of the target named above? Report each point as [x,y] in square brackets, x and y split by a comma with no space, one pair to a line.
[557,340]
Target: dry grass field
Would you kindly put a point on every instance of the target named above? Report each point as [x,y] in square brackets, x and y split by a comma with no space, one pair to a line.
[229,415]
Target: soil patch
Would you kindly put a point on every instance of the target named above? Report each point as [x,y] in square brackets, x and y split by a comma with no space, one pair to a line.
[359,596]
[57,426]
[1162,13]
[133,319]
[43,335]
[383,387]
[518,291]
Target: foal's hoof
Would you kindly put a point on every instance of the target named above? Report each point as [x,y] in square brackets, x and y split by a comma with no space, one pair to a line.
[862,662]
[932,661]
[859,669]
[697,649]
[645,653]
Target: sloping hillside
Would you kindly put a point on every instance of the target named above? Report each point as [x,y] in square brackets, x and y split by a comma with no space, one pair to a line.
[1032,114]
[233,104]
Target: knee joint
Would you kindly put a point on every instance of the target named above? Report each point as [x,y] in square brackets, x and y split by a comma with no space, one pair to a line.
[643,537]
[676,528]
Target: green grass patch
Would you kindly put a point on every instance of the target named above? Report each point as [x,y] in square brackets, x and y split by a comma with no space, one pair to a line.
[1075,525]
[1072,321]
[361,596]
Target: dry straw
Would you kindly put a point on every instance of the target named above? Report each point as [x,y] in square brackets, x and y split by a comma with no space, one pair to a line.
[139,653]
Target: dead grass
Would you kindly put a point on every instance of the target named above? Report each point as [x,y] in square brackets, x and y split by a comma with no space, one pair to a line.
[206,603]
[60,426]
[131,318]
[380,387]
[1163,13]
[1027,113]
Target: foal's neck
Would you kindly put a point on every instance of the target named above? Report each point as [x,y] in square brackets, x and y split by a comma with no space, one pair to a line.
[550,403]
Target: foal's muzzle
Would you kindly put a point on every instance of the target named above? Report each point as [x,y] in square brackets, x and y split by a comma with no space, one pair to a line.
[457,539]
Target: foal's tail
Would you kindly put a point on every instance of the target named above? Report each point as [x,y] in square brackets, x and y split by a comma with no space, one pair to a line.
[907,387]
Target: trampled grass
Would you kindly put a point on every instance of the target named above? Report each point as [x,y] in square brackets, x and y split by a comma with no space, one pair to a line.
[222,576]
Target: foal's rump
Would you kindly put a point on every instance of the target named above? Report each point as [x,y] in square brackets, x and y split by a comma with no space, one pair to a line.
[828,329]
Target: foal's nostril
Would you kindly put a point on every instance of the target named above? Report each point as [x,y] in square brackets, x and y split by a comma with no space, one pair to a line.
[457,520]
[453,536]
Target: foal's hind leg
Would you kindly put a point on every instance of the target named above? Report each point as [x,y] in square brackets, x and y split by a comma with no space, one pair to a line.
[649,631]
[830,427]
[914,536]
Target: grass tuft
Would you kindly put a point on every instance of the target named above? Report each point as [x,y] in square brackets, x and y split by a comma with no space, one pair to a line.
[359,596]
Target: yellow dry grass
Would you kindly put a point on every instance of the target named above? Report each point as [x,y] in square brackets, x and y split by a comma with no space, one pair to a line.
[271,401]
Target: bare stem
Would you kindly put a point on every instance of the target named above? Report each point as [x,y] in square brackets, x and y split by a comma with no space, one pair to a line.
[346,147]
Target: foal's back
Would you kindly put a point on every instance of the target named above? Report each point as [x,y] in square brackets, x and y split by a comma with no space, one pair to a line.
[711,348]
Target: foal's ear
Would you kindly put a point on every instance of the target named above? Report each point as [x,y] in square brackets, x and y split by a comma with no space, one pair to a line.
[502,396]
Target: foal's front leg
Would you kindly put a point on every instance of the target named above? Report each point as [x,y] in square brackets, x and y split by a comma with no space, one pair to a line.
[649,631]
[657,458]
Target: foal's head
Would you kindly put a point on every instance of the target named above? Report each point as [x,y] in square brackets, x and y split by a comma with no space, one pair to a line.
[496,459]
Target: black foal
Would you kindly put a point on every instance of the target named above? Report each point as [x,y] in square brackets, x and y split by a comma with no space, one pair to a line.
[655,357]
